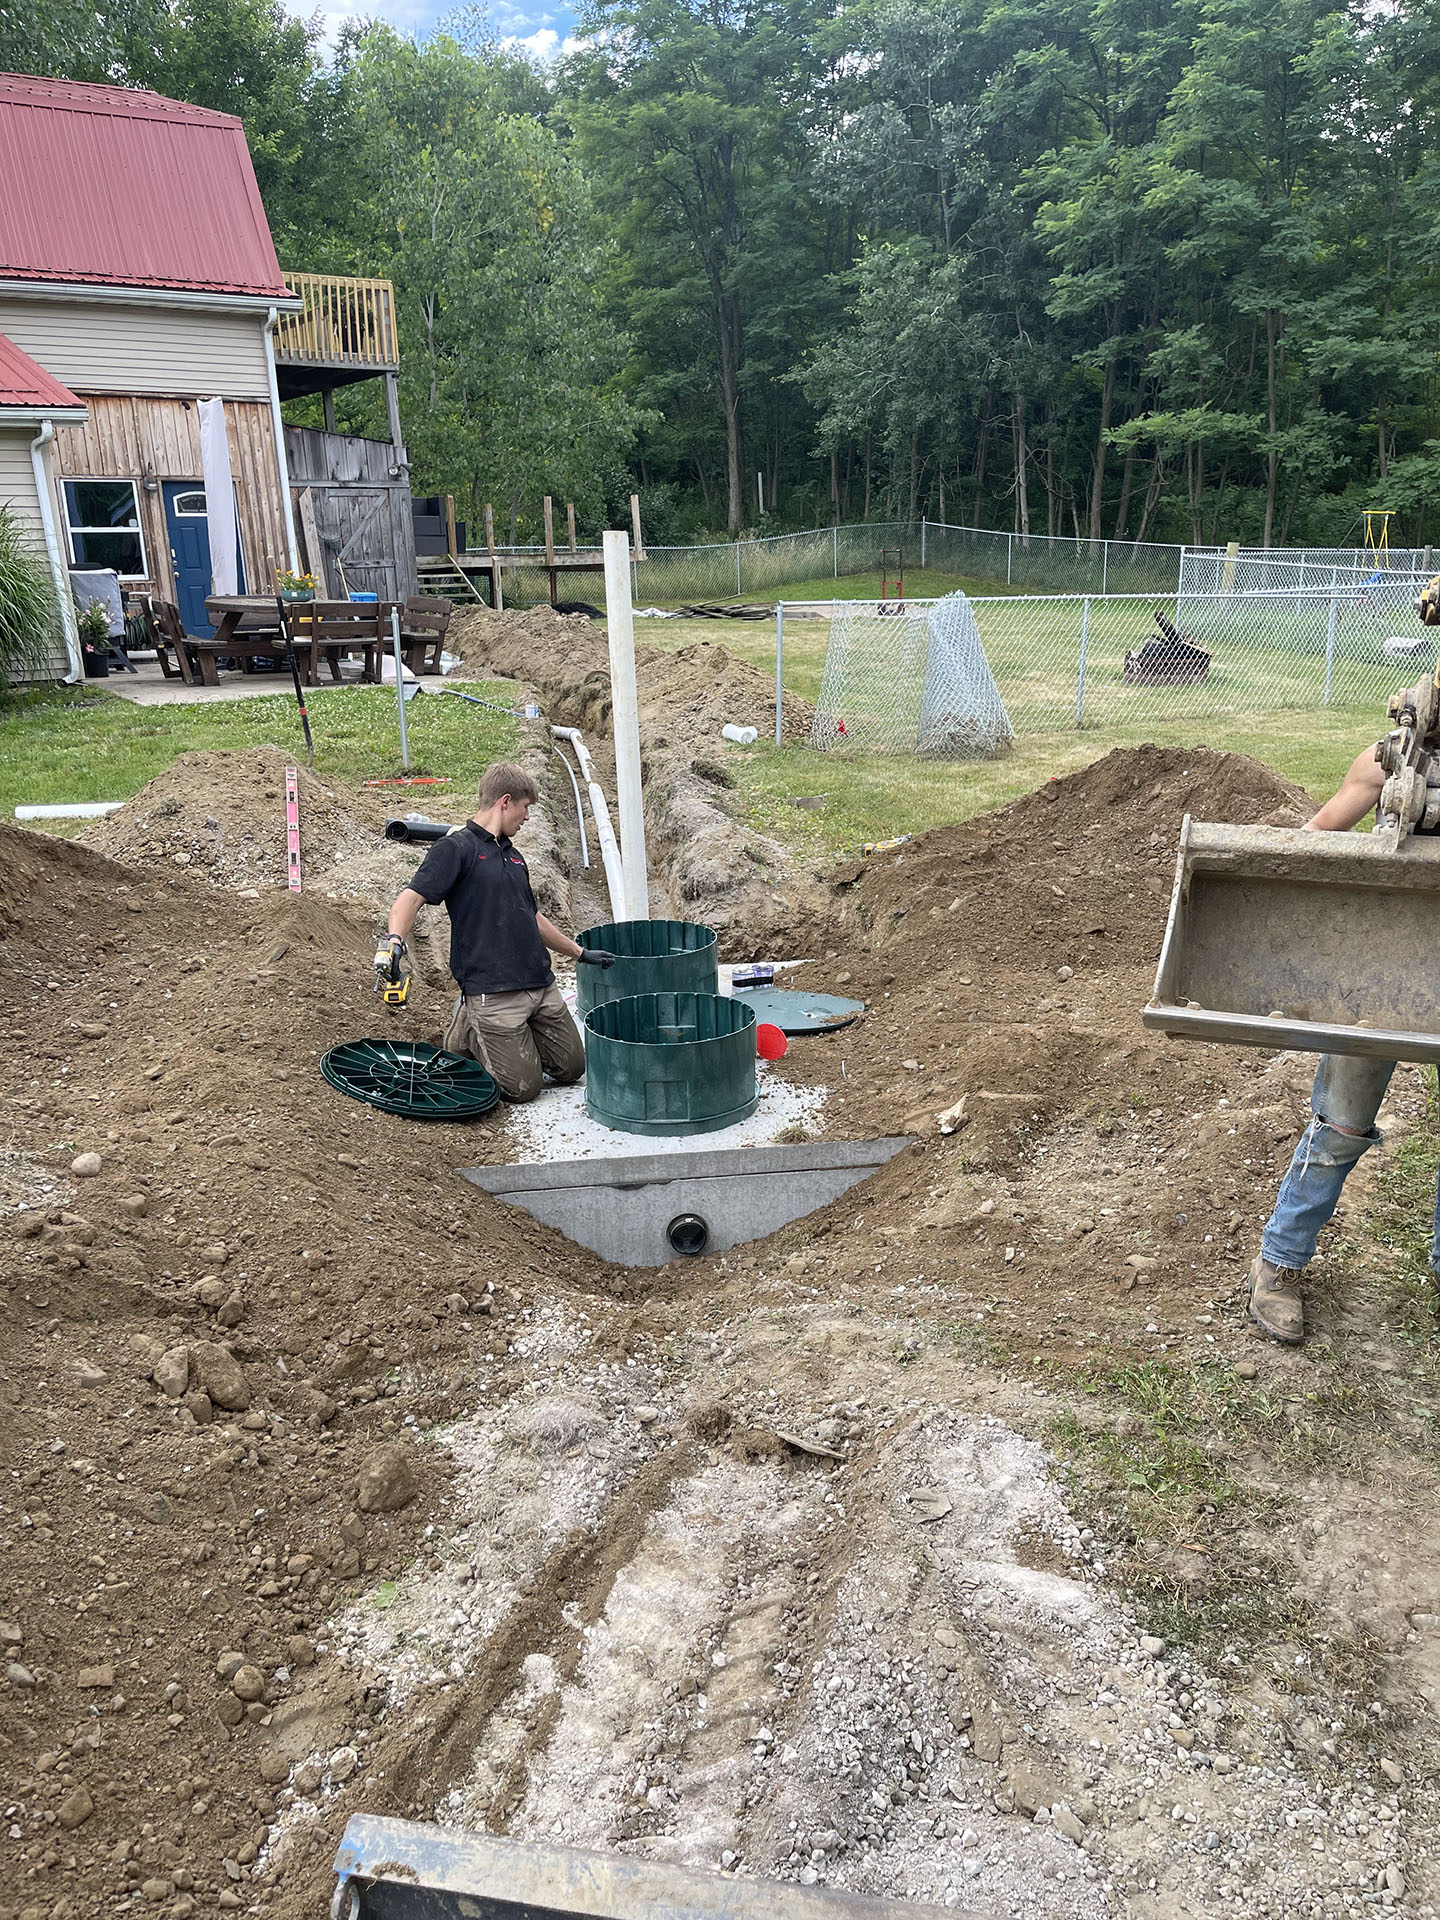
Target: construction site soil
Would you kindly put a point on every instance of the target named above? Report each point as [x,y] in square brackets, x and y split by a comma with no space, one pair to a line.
[332,1484]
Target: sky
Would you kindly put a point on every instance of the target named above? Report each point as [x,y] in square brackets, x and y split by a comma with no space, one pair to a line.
[537,27]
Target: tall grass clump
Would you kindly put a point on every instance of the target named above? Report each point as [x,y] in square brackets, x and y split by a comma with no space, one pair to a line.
[29,611]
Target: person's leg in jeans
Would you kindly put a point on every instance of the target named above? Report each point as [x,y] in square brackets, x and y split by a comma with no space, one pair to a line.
[1344,1101]
[557,1038]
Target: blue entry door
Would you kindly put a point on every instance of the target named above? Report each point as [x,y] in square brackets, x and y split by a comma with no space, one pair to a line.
[189,532]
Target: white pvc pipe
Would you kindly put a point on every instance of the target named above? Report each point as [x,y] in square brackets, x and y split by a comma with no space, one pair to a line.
[73,810]
[620,628]
[579,807]
[604,830]
[58,570]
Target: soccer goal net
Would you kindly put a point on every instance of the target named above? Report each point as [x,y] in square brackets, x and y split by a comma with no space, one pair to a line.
[909,678]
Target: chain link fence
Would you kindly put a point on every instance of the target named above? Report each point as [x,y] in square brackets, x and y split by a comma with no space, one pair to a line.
[1079,660]
[763,569]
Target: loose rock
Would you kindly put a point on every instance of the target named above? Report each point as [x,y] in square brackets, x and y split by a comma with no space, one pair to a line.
[387,1479]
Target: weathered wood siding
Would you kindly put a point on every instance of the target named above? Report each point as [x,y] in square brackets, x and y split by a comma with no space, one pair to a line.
[108,347]
[361,511]
[127,436]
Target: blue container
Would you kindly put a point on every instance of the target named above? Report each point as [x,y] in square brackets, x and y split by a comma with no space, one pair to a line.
[367,599]
[670,1063]
[651,956]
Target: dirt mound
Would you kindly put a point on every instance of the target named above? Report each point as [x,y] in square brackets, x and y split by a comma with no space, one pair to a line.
[1080,868]
[199,1336]
[222,815]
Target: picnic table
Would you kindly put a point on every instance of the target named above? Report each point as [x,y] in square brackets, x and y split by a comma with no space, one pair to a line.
[247,626]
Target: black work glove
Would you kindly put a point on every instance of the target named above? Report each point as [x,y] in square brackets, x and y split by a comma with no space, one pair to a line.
[595,957]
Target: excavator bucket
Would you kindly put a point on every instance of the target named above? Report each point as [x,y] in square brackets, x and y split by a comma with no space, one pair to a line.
[1318,942]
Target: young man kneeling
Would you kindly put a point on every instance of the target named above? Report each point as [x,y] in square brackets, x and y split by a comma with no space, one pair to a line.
[510,1015]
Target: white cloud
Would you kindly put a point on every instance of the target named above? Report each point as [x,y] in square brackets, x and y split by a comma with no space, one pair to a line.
[544,44]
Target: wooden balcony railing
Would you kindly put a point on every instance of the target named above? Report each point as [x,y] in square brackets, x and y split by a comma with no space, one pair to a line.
[346,323]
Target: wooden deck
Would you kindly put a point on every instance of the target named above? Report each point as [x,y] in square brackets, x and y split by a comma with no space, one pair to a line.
[347,328]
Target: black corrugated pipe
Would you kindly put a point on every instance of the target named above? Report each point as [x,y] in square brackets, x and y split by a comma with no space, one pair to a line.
[415,828]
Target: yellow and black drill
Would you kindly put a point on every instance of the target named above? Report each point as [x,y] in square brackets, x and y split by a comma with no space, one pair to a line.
[392,980]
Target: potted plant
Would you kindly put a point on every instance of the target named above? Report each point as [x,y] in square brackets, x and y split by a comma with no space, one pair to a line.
[296,586]
[93,621]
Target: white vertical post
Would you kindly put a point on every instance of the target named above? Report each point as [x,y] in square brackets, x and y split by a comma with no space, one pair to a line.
[922,542]
[779,662]
[620,626]
[1080,677]
[1104,569]
[400,686]
[1009,555]
[760,491]
[738,588]
[835,548]
[1330,647]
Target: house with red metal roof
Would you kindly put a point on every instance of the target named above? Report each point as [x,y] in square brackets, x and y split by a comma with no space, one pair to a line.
[140,294]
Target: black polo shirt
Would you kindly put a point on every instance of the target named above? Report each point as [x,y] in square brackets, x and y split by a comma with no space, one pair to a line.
[495,945]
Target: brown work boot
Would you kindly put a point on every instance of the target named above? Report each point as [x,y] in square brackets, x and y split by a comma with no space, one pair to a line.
[1276,1306]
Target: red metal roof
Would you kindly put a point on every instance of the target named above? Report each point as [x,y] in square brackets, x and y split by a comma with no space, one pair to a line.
[111,186]
[24,383]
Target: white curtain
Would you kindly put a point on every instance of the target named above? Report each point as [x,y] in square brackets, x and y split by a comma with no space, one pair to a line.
[219,497]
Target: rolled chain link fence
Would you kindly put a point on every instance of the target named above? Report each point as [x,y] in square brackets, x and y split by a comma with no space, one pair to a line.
[1079,660]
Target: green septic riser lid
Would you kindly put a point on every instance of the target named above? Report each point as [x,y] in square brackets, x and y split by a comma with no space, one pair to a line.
[652,956]
[412,1078]
[670,1063]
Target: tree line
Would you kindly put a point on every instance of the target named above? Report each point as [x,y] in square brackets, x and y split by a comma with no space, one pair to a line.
[1132,269]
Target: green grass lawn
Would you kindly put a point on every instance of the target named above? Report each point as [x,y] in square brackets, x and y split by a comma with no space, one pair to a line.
[83,744]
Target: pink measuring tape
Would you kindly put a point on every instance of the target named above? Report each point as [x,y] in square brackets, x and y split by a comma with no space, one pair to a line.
[292,826]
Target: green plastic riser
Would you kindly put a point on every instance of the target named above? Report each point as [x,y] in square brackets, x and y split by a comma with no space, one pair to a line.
[653,956]
[670,1063]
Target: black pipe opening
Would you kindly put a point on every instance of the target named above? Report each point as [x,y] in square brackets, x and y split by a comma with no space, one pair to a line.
[688,1234]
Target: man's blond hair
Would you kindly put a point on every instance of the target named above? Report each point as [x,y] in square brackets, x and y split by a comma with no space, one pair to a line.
[506,778]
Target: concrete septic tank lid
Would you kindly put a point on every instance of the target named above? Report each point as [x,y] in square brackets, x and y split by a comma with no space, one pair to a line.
[670,1063]
[641,1210]
[652,956]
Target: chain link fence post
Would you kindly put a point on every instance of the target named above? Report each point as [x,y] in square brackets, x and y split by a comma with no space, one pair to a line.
[1009,556]
[1330,647]
[1080,676]
[1104,569]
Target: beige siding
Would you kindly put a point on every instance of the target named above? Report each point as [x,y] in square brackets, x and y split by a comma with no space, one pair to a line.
[17,492]
[127,438]
[17,477]
[95,347]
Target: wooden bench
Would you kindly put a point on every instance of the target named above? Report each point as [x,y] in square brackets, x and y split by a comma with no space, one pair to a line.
[333,627]
[424,622]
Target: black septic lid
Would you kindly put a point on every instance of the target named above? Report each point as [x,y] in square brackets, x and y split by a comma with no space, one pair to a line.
[412,1078]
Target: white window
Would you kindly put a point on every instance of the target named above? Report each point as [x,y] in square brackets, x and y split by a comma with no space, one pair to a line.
[189,505]
[104,521]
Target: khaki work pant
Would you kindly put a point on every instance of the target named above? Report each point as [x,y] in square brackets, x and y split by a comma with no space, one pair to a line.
[518,1038]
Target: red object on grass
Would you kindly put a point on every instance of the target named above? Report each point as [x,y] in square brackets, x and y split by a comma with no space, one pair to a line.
[770,1042]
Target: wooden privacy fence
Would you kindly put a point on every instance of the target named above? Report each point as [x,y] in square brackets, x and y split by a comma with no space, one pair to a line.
[352,511]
